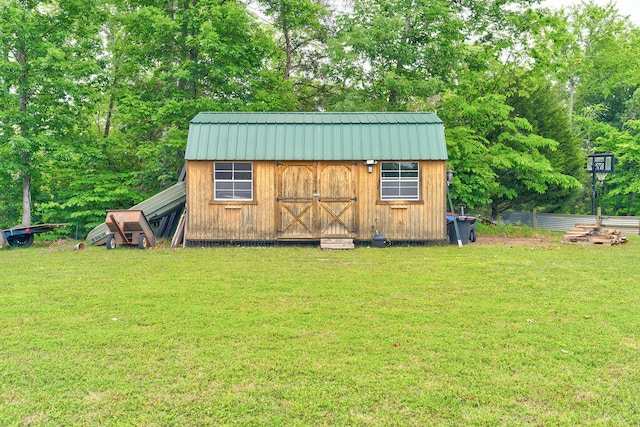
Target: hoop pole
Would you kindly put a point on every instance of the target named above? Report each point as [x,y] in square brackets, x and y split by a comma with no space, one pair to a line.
[593,191]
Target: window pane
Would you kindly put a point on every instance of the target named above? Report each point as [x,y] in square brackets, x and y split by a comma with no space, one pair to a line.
[226,194]
[242,166]
[224,185]
[242,185]
[243,176]
[224,175]
[409,174]
[244,195]
[390,188]
[406,190]
[409,166]
[390,184]
[387,174]
[223,166]
[390,166]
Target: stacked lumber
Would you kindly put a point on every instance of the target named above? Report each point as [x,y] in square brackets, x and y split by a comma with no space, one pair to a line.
[593,234]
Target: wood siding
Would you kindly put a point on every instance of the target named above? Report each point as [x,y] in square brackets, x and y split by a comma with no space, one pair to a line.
[313,200]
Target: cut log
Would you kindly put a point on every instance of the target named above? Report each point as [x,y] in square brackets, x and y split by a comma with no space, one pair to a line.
[577,233]
[601,239]
[595,226]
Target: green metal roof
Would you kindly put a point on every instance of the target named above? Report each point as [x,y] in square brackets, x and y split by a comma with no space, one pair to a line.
[316,136]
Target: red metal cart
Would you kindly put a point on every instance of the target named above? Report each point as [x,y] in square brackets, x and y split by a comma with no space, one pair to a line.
[129,227]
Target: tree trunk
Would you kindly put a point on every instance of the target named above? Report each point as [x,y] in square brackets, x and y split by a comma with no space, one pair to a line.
[112,100]
[26,200]
[288,51]
[572,94]
[26,173]
[494,213]
[107,124]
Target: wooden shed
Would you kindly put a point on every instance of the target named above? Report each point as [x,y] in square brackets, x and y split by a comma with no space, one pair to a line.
[269,177]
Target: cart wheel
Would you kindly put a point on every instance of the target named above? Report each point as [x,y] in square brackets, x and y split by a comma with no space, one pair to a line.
[472,235]
[111,241]
[23,240]
[142,241]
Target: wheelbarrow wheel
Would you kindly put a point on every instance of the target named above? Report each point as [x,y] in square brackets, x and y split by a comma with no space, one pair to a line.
[111,241]
[142,241]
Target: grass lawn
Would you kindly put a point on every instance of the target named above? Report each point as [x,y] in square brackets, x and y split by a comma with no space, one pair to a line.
[479,335]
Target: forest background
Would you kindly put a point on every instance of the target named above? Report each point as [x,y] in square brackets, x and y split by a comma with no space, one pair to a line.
[96,96]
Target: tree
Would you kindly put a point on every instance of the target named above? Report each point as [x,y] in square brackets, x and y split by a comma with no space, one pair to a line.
[509,140]
[172,60]
[537,100]
[389,54]
[299,22]
[48,65]
[623,186]
[499,159]
[587,50]
[592,52]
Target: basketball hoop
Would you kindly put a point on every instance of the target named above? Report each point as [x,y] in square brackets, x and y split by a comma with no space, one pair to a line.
[599,165]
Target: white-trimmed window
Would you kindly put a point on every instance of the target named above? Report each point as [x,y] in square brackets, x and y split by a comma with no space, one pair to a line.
[400,181]
[233,180]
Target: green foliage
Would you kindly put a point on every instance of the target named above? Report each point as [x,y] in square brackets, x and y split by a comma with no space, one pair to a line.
[80,182]
[499,159]
[542,105]
[47,67]
[172,63]
[301,33]
[388,53]
[618,195]
[595,51]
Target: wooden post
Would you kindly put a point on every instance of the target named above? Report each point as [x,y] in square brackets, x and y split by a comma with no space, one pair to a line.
[3,240]
[599,217]
[184,232]
[534,219]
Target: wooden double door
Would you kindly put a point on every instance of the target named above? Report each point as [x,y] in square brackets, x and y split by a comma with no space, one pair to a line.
[316,200]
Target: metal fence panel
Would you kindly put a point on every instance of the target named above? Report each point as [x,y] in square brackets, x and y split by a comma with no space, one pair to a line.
[626,224]
[560,222]
[629,225]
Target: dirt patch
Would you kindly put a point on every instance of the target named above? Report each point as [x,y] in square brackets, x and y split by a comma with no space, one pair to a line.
[514,240]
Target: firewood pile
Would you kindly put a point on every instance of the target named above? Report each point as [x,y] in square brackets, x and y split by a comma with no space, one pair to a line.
[593,234]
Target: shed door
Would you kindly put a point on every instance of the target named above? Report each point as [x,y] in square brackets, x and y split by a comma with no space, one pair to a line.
[316,200]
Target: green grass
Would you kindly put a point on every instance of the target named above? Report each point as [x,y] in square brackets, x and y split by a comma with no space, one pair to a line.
[479,335]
